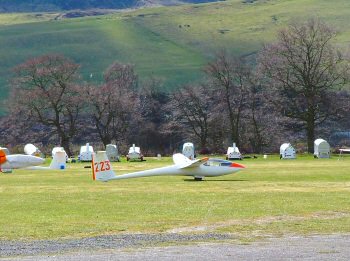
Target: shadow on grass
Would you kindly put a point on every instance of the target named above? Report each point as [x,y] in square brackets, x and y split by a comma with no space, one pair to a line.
[223,180]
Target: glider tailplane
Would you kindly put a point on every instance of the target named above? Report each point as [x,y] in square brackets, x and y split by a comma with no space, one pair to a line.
[101,167]
[58,160]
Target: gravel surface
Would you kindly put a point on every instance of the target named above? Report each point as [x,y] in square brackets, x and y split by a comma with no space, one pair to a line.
[16,248]
[332,247]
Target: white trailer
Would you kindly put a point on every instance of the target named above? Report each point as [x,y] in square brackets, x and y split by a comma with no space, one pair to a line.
[287,151]
[233,153]
[188,150]
[134,153]
[322,150]
[86,152]
[112,152]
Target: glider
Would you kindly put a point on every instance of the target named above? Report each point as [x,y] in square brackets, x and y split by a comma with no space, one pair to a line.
[21,161]
[183,166]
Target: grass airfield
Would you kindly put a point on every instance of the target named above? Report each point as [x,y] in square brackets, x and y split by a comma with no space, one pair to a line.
[271,197]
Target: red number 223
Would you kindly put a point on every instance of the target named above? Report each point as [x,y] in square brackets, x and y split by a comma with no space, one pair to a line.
[102,166]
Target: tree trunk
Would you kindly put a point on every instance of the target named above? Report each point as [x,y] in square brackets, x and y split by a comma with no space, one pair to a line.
[106,140]
[203,143]
[236,132]
[310,128]
[66,145]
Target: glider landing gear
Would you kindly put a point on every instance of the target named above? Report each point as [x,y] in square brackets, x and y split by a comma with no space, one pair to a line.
[198,178]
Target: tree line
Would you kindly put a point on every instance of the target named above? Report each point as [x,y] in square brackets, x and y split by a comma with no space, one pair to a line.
[294,89]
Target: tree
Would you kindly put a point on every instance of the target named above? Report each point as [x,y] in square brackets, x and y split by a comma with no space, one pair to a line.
[44,91]
[191,106]
[152,130]
[229,76]
[305,70]
[259,117]
[112,104]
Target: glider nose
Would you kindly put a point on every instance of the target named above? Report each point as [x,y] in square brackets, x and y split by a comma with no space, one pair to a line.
[2,157]
[237,165]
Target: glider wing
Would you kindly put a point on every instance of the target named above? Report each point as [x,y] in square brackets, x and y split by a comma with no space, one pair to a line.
[183,162]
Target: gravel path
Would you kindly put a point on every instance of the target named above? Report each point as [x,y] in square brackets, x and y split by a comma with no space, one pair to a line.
[17,248]
[332,247]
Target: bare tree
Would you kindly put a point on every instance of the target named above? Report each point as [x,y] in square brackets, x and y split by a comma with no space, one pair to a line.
[112,104]
[152,124]
[229,75]
[44,91]
[259,118]
[304,69]
[191,106]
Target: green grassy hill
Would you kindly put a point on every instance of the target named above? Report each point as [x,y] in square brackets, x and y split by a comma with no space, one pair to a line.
[96,43]
[168,42]
[55,5]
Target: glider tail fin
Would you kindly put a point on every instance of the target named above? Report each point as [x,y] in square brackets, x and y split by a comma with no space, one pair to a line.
[101,167]
[59,160]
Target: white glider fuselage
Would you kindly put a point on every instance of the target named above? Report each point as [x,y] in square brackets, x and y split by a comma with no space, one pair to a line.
[19,161]
[200,171]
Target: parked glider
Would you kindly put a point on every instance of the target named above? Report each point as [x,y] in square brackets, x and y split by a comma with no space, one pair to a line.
[21,161]
[183,166]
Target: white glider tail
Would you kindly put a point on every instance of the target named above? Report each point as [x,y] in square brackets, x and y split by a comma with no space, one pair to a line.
[183,166]
[101,167]
[58,162]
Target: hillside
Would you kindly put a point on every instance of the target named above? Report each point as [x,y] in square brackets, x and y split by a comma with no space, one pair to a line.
[168,42]
[61,5]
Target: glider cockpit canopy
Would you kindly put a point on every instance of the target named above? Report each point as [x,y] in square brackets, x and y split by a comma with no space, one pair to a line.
[218,163]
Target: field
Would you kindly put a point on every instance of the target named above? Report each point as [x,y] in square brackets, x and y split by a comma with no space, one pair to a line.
[270,197]
[172,43]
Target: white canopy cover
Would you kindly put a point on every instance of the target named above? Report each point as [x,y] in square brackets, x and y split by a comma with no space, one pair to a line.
[321,149]
[287,151]
[188,150]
